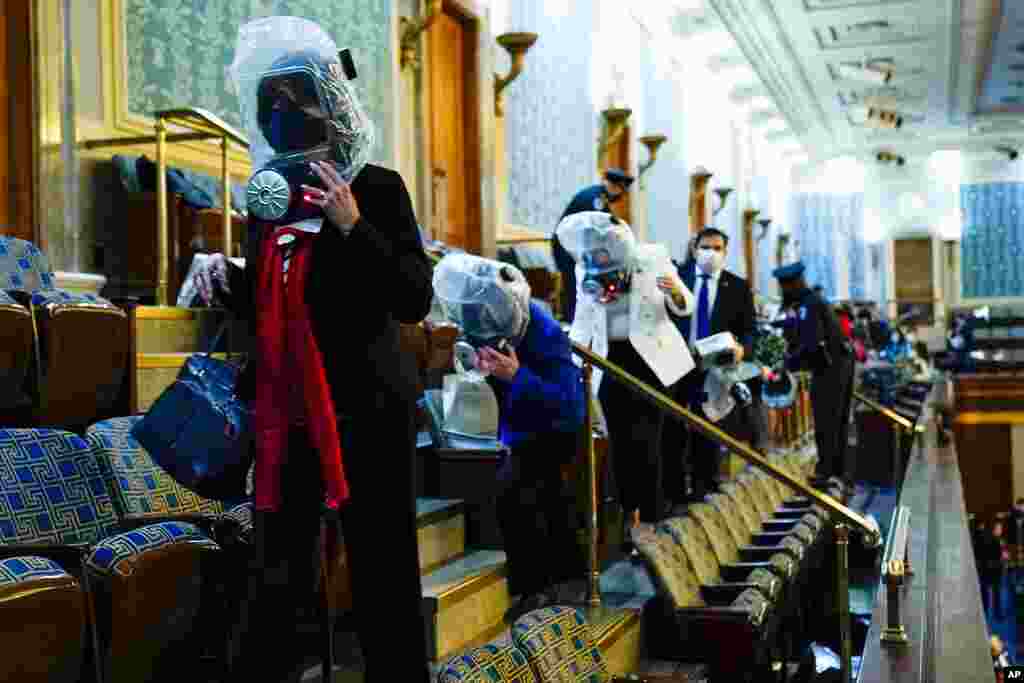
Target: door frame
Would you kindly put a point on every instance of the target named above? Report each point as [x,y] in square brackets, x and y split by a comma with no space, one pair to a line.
[479,108]
[21,59]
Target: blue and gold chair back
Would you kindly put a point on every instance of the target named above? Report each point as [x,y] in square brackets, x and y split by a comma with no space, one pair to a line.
[23,266]
[51,489]
[496,662]
[139,487]
[559,645]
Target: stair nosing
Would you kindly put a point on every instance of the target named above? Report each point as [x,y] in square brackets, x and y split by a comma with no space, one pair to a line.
[457,506]
[480,578]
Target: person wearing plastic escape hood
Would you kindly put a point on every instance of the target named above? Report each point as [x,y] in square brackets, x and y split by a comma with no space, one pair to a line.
[329,397]
[625,291]
[526,359]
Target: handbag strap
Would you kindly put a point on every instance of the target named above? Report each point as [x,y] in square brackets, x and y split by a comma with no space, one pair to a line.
[216,339]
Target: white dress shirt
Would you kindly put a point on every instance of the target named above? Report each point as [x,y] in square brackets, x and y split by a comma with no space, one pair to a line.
[712,284]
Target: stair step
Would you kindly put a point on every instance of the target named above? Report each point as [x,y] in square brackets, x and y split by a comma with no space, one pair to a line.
[441,531]
[464,599]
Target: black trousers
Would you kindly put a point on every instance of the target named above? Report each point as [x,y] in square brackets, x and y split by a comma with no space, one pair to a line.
[846,468]
[379,527]
[828,397]
[675,449]
[537,518]
[634,430]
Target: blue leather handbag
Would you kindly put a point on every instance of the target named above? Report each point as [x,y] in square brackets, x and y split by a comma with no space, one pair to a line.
[198,430]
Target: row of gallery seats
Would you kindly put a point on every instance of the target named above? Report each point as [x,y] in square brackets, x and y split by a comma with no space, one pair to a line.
[737,589]
[106,564]
[48,334]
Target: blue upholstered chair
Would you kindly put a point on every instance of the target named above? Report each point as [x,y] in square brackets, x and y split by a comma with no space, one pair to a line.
[496,662]
[77,381]
[143,589]
[15,359]
[42,621]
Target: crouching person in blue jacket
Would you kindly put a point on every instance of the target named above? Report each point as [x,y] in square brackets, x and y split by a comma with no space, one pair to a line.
[528,362]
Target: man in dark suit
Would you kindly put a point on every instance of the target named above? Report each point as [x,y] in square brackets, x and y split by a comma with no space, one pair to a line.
[594,198]
[724,304]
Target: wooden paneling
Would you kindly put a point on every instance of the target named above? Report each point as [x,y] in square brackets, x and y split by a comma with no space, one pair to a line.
[618,157]
[17,176]
[913,268]
[455,124]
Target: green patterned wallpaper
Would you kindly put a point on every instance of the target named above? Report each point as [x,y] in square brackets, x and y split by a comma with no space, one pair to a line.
[178,52]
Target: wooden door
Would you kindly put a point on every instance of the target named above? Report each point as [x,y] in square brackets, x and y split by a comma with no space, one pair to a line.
[454,125]
[16,122]
[617,156]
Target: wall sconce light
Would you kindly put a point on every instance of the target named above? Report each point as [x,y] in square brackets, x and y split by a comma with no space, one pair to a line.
[723,194]
[517,45]
[652,143]
[781,242]
[614,126]
[764,223]
[410,30]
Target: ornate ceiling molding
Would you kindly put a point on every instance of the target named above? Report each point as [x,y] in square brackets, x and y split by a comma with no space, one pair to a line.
[762,39]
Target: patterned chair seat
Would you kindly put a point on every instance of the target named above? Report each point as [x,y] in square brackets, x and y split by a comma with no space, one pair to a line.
[491,663]
[54,503]
[559,646]
[42,619]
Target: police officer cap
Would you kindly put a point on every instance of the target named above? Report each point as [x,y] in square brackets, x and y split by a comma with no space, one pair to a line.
[617,175]
[789,272]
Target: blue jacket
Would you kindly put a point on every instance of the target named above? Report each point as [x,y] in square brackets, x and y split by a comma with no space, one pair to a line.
[547,393]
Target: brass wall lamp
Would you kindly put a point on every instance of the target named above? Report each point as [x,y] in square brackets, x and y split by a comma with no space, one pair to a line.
[615,119]
[409,31]
[764,223]
[723,195]
[517,45]
[652,143]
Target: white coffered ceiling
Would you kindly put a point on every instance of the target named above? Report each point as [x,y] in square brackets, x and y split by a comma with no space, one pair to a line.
[958,68]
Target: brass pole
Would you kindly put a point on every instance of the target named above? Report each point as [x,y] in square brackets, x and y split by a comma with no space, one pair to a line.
[593,561]
[843,596]
[878,407]
[162,238]
[666,405]
[225,183]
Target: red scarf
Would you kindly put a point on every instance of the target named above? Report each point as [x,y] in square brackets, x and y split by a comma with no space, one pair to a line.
[287,353]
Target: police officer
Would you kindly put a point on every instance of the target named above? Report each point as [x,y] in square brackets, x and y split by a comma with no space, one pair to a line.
[594,198]
[818,346]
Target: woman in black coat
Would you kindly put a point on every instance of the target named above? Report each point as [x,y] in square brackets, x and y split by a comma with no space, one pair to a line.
[349,275]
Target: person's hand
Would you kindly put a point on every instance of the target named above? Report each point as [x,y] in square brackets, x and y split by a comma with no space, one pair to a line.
[213,270]
[738,353]
[338,202]
[502,366]
[672,286]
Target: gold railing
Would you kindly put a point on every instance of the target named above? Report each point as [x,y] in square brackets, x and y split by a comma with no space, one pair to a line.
[842,517]
[204,126]
[892,415]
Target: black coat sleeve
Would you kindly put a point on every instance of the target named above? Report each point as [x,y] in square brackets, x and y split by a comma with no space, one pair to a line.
[746,319]
[395,253]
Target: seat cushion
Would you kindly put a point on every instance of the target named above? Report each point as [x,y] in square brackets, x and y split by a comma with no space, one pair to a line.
[491,663]
[559,645]
[138,485]
[15,570]
[61,297]
[51,489]
[118,554]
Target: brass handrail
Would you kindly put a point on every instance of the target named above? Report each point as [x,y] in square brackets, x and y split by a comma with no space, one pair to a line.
[889,413]
[869,534]
[203,125]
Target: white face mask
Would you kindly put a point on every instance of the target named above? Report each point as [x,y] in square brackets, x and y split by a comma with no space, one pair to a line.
[709,260]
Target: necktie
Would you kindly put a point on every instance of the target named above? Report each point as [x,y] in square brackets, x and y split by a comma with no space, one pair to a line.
[703,309]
